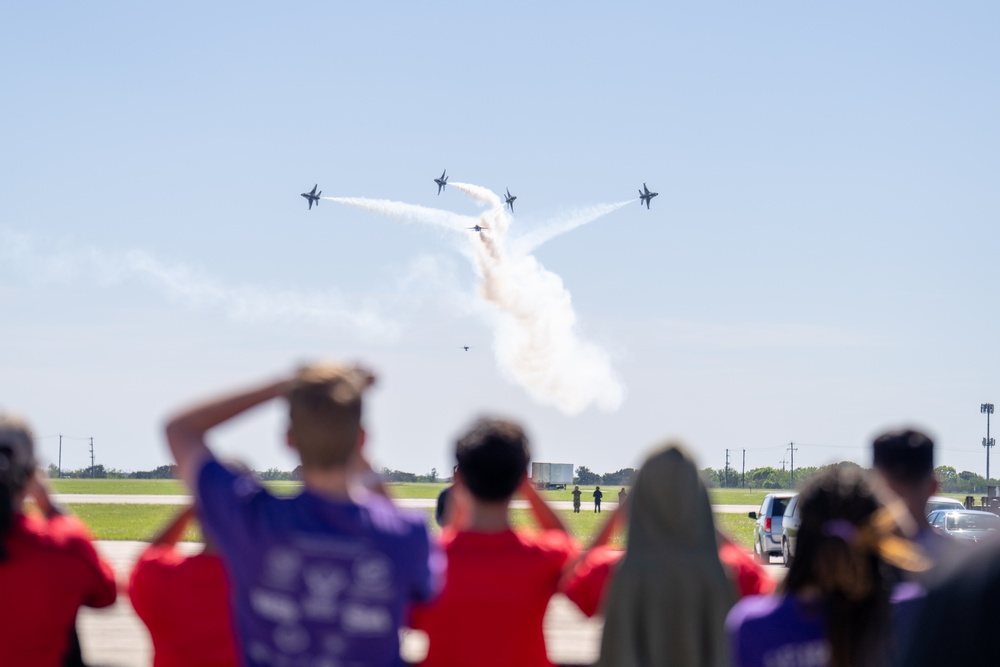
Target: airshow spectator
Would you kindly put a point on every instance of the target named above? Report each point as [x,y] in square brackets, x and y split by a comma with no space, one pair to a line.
[904,461]
[324,576]
[668,601]
[587,582]
[576,499]
[499,580]
[622,495]
[836,604]
[184,601]
[597,499]
[48,565]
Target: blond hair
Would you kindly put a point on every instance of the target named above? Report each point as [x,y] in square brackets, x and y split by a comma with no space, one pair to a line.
[324,406]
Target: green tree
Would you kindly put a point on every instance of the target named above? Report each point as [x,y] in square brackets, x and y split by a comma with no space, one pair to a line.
[585,475]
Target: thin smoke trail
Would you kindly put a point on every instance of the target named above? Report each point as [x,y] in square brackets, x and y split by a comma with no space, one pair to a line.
[193,288]
[527,243]
[403,211]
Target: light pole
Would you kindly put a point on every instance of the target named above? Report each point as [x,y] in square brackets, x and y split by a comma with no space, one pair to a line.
[987,409]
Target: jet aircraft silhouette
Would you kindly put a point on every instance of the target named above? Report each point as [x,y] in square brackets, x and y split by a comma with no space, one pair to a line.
[645,197]
[477,228]
[510,200]
[443,181]
[312,197]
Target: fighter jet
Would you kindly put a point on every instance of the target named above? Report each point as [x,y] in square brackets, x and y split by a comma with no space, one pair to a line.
[443,181]
[465,347]
[510,200]
[477,228]
[312,197]
[645,197]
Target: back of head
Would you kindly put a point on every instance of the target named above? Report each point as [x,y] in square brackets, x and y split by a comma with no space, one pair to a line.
[905,456]
[492,458]
[669,503]
[836,557]
[324,404]
[17,464]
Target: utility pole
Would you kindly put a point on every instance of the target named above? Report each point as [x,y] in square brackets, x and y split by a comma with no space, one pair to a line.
[782,465]
[727,469]
[987,409]
[60,455]
[743,476]
[792,448]
[91,457]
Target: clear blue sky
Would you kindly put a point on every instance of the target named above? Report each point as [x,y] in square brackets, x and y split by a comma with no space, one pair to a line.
[820,263]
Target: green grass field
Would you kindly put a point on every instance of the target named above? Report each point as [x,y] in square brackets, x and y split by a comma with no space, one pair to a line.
[143,522]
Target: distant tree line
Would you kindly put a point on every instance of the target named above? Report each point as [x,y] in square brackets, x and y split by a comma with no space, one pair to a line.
[949,479]
[161,472]
[587,477]
[399,476]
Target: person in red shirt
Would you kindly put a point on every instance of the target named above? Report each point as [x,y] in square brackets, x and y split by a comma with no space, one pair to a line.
[499,581]
[587,581]
[48,565]
[184,601]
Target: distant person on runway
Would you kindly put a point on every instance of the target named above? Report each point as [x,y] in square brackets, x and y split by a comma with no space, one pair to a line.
[576,499]
[48,565]
[597,499]
[622,495]
[324,576]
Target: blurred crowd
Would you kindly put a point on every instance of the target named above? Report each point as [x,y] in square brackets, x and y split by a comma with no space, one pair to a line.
[330,576]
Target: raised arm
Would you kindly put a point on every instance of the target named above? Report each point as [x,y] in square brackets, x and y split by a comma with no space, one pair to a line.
[173,531]
[186,430]
[38,490]
[544,515]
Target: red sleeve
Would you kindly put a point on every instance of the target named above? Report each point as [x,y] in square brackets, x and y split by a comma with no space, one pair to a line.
[143,585]
[748,576]
[100,589]
[588,583]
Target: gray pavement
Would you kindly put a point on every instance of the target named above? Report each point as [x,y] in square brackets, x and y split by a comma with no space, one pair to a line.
[115,637]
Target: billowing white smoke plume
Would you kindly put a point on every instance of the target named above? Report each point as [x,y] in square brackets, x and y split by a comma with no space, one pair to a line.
[192,287]
[537,341]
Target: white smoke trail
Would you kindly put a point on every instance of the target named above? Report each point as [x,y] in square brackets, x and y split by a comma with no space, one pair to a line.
[396,209]
[527,243]
[480,194]
[537,342]
[192,287]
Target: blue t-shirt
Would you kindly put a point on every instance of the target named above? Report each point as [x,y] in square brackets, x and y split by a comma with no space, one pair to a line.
[314,581]
[783,631]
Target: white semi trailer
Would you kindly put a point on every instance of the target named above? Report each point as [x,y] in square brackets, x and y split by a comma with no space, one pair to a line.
[551,475]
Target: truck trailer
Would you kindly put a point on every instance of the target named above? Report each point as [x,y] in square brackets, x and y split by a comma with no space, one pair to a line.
[551,475]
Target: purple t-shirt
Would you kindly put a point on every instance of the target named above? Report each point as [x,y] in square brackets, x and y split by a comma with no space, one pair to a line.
[782,631]
[316,582]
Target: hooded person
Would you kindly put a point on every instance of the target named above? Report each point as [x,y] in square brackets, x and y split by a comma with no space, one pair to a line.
[668,602]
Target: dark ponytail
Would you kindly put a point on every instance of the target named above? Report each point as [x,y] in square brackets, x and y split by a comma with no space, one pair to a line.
[12,482]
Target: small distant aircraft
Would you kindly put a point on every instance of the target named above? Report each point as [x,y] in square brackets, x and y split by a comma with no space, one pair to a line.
[465,347]
[645,197]
[443,181]
[478,228]
[312,197]
[510,200]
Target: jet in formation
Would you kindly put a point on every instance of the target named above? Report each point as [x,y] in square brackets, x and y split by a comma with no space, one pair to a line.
[510,200]
[313,196]
[477,228]
[646,196]
[443,181]
[465,347]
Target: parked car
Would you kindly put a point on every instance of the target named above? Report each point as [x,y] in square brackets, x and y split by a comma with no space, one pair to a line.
[767,525]
[970,525]
[935,503]
[790,530]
